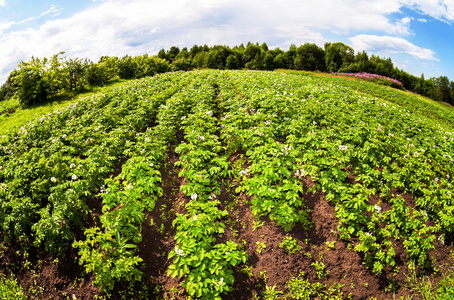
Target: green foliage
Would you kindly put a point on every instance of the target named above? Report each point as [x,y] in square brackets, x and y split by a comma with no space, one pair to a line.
[260,247]
[39,79]
[291,245]
[76,69]
[320,269]
[96,74]
[290,130]
[301,289]
[10,290]
[310,57]
[270,293]
[338,55]
[445,288]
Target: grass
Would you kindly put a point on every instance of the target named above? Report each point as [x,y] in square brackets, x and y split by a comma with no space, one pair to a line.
[20,116]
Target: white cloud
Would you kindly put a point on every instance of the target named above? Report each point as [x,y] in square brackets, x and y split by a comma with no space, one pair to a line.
[4,26]
[2,2]
[386,45]
[439,9]
[120,27]
[51,10]
[422,20]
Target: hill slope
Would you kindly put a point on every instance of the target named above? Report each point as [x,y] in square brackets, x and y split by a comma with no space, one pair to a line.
[230,184]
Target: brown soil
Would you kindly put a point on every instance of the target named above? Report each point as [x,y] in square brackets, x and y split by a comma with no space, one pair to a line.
[53,277]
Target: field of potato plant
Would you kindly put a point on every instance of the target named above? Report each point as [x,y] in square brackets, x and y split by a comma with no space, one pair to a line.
[384,167]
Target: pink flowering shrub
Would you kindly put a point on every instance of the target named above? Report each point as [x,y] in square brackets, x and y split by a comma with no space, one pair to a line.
[376,78]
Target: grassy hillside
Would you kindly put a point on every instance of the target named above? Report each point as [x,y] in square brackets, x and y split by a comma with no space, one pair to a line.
[231,185]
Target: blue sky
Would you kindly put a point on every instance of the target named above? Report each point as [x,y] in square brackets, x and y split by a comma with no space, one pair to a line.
[418,35]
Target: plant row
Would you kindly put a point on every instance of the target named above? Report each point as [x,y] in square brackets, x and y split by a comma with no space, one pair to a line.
[205,263]
[365,154]
[51,167]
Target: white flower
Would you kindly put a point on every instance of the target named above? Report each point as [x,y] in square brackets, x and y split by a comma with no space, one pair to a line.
[179,251]
[343,147]
[53,179]
[201,137]
[129,187]
[152,165]
[194,218]
[74,177]
[218,283]
[368,234]
[244,172]
[440,238]
[194,196]
[64,136]
[379,128]
[72,166]
[313,122]
[147,140]
[300,173]
[436,179]
[391,135]
[210,113]
[285,149]
[377,209]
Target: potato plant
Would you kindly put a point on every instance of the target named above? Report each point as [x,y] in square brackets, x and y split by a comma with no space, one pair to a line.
[367,155]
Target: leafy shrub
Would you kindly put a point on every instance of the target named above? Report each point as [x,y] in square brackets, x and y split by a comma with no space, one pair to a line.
[291,245]
[10,290]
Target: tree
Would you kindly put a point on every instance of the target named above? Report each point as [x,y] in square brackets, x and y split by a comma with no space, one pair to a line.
[200,59]
[40,79]
[111,65]
[258,63]
[289,57]
[268,61]
[162,54]
[279,61]
[232,62]
[251,52]
[310,57]
[443,89]
[8,89]
[194,50]
[337,56]
[76,71]
[264,47]
[382,66]
[184,54]
[173,52]
[181,65]
[126,67]
[96,74]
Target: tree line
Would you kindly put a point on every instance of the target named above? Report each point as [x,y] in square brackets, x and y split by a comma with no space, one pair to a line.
[41,79]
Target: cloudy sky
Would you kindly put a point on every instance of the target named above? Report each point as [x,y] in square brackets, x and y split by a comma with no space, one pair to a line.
[417,34]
